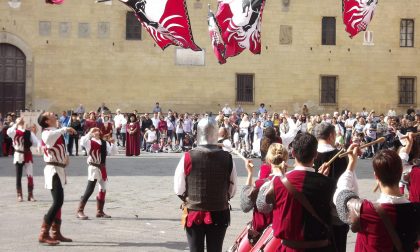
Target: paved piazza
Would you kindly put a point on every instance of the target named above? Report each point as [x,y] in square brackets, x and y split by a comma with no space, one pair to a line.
[145,212]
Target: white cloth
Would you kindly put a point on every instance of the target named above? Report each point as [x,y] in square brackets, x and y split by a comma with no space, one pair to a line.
[180,179]
[123,125]
[151,136]
[347,181]
[155,122]
[118,120]
[291,134]
[49,137]
[169,123]
[227,110]
[324,147]
[244,126]
[187,126]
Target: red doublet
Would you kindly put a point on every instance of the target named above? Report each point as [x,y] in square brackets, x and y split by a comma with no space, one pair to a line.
[290,220]
[414,187]
[89,123]
[374,236]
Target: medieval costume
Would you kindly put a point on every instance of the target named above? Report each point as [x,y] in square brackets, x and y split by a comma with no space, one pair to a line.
[56,159]
[97,150]
[133,137]
[205,180]
[392,223]
[300,201]
[22,142]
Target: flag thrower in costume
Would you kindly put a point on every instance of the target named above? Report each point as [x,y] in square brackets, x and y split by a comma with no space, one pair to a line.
[240,24]
[166,21]
[357,15]
[216,41]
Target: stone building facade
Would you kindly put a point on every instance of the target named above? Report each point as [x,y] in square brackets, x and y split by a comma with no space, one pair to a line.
[78,52]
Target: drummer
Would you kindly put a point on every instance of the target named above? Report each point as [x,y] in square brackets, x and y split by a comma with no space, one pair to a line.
[277,157]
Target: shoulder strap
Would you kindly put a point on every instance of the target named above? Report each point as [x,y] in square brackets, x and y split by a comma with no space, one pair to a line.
[389,227]
[302,200]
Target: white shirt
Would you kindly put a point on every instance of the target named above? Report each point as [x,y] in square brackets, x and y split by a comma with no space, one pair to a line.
[118,120]
[169,123]
[151,136]
[258,133]
[349,123]
[291,134]
[227,110]
[180,179]
[155,122]
[123,125]
[187,127]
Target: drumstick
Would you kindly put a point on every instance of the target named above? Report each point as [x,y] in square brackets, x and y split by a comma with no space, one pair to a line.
[334,158]
[414,135]
[379,140]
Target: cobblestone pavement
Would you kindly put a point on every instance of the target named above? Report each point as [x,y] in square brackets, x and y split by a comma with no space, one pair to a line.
[145,212]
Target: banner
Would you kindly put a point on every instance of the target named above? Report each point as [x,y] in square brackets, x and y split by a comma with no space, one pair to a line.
[216,40]
[166,21]
[240,24]
[357,15]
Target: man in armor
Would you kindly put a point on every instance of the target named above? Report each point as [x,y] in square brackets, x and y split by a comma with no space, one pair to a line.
[205,180]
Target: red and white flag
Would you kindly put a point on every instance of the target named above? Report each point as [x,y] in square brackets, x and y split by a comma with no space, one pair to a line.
[240,24]
[54,1]
[166,21]
[216,40]
[357,15]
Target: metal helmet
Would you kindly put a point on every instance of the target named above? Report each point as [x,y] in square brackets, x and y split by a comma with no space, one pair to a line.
[207,131]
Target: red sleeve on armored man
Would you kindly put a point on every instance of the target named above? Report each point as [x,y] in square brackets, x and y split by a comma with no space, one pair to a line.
[187,163]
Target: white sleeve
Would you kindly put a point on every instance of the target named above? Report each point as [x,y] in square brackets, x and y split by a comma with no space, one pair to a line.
[85,141]
[51,136]
[111,149]
[233,181]
[179,178]
[347,181]
[11,131]
[290,135]
[34,140]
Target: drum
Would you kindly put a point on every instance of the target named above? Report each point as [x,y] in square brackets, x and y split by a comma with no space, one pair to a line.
[267,242]
[242,243]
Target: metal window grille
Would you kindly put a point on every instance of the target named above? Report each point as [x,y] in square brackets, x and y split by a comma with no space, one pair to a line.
[132,27]
[245,88]
[328,90]
[407,90]
[407,33]
[328,30]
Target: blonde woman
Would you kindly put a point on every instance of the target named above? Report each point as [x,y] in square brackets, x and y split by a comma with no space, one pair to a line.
[277,157]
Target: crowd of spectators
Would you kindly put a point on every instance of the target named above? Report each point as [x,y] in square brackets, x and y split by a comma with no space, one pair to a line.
[176,132]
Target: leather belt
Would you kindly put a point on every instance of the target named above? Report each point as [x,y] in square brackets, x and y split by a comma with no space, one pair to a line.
[94,164]
[56,164]
[305,244]
[19,151]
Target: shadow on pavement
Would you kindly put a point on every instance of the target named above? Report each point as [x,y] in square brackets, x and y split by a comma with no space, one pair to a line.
[169,245]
